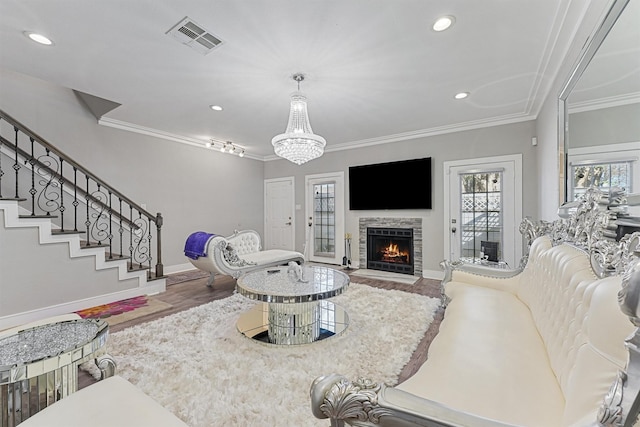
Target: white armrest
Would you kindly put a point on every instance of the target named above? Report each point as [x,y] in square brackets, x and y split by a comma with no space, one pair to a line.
[505,280]
[364,403]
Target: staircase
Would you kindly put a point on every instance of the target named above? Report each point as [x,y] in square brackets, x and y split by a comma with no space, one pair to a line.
[68,240]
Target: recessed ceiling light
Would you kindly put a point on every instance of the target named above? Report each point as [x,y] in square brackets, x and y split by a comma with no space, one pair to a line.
[461,95]
[208,145]
[443,23]
[215,107]
[39,38]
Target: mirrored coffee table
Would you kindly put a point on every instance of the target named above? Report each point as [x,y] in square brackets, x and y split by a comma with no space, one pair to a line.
[292,311]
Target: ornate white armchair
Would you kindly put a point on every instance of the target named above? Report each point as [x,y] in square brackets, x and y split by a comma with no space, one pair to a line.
[237,254]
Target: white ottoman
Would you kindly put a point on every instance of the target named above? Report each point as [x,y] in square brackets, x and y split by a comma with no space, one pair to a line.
[107,403]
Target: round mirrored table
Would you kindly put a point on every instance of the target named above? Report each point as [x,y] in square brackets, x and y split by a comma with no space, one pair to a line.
[293,311]
[39,365]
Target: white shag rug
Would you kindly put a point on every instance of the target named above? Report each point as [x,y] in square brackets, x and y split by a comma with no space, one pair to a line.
[197,365]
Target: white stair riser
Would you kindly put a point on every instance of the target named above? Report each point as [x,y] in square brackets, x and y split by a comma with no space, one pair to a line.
[12,212]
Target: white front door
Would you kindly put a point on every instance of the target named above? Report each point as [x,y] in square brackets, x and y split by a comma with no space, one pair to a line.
[279,220]
[483,209]
[325,218]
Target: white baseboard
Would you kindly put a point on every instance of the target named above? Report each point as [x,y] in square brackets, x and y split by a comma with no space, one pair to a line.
[178,268]
[433,274]
[12,320]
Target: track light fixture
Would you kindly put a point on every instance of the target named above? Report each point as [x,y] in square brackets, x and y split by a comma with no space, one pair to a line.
[226,147]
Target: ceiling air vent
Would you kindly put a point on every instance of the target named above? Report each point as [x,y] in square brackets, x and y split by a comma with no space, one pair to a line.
[193,35]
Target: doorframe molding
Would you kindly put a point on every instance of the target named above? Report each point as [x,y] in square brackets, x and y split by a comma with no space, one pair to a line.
[291,179]
[482,162]
[340,219]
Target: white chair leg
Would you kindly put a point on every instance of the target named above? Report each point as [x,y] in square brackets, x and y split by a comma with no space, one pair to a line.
[212,278]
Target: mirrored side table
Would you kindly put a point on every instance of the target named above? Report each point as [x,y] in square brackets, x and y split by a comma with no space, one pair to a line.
[39,365]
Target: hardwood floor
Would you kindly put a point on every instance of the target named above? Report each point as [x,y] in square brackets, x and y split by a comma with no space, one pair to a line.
[183,296]
[191,293]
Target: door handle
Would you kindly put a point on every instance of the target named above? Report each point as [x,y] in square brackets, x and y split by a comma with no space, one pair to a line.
[287,223]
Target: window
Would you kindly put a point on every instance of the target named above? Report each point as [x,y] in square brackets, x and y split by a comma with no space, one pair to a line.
[324,212]
[603,166]
[481,213]
[601,175]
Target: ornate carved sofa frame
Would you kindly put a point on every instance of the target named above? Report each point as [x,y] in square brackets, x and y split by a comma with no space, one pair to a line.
[240,253]
[543,345]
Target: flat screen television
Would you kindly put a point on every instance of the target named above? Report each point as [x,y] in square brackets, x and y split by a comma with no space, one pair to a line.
[404,184]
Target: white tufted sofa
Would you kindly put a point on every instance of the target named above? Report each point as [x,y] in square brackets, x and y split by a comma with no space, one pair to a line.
[541,348]
[241,253]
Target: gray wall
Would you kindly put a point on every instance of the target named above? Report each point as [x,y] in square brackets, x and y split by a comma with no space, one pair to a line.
[487,142]
[604,126]
[194,188]
[36,276]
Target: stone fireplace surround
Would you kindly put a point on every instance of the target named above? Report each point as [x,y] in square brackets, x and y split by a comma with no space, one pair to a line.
[413,223]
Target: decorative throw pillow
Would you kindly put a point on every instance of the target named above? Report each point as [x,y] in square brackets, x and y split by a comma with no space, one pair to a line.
[231,256]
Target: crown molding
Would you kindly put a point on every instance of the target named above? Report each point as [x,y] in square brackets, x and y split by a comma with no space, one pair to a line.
[609,102]
[363,143]
[131,127]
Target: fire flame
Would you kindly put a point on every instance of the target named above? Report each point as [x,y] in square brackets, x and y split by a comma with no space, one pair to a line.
[393,254]
[391,250]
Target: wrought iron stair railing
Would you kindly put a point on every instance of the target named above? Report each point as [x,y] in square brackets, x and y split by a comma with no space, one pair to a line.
[53,185]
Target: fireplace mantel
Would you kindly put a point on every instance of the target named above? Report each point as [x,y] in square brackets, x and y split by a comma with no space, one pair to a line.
[413,223]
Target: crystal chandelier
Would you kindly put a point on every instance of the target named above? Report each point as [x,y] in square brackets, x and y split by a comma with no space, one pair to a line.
[298,143]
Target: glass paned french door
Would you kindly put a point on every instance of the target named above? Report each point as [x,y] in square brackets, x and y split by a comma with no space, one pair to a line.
[324,205]
[324,221]
[481,216]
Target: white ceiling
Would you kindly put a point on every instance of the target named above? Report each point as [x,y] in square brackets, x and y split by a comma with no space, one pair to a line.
[375,69]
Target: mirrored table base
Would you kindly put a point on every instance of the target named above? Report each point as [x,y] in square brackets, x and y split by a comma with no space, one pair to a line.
[293,324]
[21,399]
[39,365]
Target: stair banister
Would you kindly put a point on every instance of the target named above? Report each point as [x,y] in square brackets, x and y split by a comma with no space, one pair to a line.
[83,193]
[64,158]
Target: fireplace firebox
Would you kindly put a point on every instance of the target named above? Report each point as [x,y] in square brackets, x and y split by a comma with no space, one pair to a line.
[390,249]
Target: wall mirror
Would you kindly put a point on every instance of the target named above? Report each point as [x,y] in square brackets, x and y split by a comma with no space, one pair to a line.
[599,114]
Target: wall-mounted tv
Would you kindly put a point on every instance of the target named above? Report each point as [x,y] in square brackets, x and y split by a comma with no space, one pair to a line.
[395,185]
